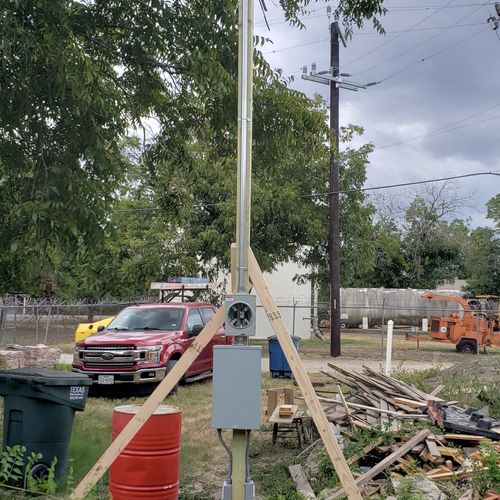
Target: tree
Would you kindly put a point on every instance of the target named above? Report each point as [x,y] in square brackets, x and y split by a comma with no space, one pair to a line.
[416,246]
[75,77]
[493,210]
[482,261]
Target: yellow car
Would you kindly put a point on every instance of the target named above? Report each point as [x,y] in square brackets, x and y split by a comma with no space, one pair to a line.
[83,330]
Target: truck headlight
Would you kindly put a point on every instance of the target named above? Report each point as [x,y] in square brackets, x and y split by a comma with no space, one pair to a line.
[76,357]
[151,354]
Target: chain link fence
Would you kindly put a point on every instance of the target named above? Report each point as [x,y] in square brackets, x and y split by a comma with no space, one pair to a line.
[29,321]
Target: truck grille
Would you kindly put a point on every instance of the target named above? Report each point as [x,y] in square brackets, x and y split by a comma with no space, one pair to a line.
[115,365]
[110,356]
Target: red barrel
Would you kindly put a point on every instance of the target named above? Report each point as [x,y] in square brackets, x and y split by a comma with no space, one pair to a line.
[149,466]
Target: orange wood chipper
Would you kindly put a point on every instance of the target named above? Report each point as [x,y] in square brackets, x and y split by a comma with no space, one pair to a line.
[469,329]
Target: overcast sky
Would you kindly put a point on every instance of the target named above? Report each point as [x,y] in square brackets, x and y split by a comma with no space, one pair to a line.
[459,78]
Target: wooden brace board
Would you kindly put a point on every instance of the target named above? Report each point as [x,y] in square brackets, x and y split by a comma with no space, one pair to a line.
[299,372]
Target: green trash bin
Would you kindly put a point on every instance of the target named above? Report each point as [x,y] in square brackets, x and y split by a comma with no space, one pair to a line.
[39,406]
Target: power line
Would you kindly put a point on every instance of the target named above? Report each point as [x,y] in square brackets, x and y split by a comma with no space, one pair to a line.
[404,68]
[376,66]
[282,20]
[430,28]
[373,188]
[389,186]
[432,7]
[447,128]
[397,36]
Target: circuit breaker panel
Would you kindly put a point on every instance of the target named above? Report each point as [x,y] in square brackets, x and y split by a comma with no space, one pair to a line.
[236,387]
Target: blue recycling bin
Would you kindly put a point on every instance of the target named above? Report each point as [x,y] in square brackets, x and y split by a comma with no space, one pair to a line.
[278,365]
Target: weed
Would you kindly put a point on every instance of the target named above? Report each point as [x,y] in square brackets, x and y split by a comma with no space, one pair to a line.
[486,471]
[12,462]
[275,482]
[409,490]
[417,378]
[62,367]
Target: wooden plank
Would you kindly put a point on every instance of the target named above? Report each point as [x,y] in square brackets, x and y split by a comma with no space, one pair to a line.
[410,402]
[287,410]
[410,416]
[299,372]
[384,420]
[437,390]
[289,395]
[346,408]
[356,376]
[381,466]
[463,437]
[433,449]
[300,479]
[309,448]
[156,398]
[275,418]
[272,401]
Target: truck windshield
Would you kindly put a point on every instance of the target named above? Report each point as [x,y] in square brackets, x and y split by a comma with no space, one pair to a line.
[143,318]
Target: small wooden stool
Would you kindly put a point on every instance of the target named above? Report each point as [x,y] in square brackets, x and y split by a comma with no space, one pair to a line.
[283,427]
[282,430]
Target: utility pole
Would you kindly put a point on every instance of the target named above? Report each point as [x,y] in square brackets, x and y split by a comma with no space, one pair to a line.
[336,81]
[334,208]
[495,21]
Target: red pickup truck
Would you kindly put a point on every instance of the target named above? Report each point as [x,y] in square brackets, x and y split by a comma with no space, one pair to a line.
[144,342]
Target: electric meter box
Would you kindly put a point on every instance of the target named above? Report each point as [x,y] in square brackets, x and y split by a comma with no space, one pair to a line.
[236,387]
[240,314]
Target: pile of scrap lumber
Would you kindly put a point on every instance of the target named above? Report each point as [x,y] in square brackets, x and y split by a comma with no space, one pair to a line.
[366,399]
[374,398]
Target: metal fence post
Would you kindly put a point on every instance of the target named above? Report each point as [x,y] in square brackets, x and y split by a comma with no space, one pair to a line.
[383,325]
[47,326]
[15,325]
[37,319]
[293,317]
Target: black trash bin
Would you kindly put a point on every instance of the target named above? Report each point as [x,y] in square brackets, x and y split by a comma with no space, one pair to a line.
[39,407]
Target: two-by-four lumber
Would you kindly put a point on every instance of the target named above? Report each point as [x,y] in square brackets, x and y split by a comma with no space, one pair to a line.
[299,372]
[433,448]
[373,408]
[437,390]
[300,479]
[147,409]
[381,466]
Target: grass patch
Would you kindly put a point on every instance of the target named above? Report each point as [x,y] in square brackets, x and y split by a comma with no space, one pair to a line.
[62,367]
[66,348]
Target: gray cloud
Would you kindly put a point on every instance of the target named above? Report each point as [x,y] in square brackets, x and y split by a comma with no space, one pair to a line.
[460,81]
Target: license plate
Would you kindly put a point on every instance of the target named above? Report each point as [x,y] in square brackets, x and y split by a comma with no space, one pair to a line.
[106,379]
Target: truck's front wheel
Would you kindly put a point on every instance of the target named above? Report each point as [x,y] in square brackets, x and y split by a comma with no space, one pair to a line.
[170,365]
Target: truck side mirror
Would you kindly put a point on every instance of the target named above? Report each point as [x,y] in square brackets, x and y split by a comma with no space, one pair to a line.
[196,330]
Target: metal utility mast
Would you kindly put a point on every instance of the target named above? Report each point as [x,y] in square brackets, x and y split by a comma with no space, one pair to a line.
[336,81]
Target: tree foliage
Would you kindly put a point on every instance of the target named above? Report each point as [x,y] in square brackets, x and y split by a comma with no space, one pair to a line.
[76,75]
